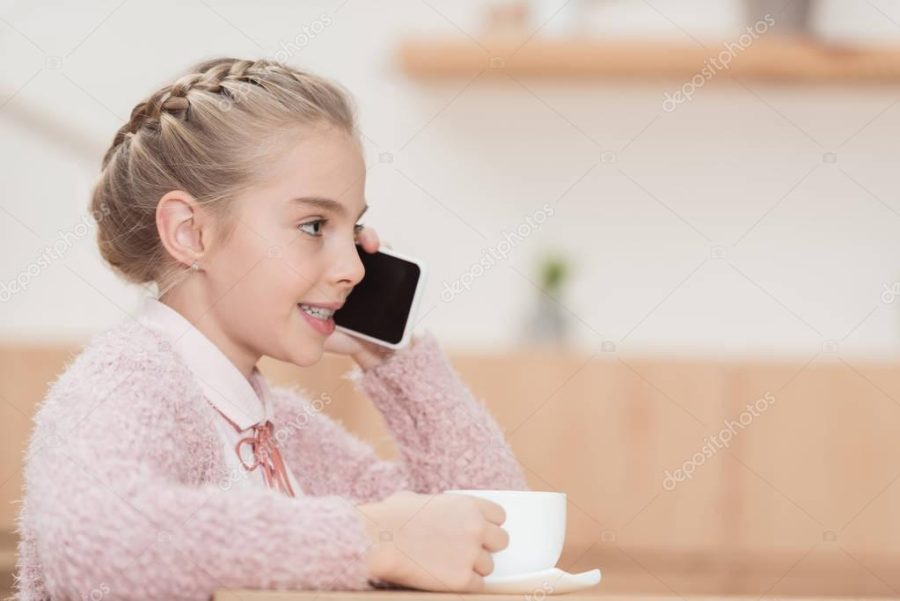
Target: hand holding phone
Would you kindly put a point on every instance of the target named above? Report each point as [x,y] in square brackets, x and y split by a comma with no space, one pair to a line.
[382,306]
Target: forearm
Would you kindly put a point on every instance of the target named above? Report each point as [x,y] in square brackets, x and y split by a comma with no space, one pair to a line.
[150,538]
[447,437]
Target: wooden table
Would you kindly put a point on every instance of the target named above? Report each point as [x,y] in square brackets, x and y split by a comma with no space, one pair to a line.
[405,595]
[592,594]
[243,595]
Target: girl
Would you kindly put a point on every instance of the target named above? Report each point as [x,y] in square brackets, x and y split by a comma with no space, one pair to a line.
[162,465]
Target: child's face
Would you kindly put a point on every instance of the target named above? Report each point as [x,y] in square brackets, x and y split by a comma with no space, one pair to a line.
[283,252]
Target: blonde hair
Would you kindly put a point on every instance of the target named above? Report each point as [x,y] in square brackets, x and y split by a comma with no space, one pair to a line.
[211,133]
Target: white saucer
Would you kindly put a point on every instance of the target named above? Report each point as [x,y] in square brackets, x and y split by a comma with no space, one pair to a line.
[552,581]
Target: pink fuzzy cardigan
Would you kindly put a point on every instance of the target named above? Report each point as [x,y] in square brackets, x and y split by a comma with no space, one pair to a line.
[127,494]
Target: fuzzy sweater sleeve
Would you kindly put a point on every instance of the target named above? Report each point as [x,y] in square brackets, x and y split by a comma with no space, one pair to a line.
[114,508]
[446,437]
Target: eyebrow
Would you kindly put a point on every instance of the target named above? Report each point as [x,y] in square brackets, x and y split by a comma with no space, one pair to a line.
[327,204]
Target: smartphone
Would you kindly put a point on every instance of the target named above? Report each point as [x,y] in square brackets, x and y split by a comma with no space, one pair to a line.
[382,306]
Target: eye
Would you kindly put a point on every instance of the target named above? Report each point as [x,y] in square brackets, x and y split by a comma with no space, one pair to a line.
[318,222]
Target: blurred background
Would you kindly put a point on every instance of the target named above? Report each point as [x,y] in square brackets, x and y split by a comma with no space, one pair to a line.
[661,234]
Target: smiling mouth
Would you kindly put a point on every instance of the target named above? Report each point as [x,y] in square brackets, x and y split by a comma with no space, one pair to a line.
[317,312]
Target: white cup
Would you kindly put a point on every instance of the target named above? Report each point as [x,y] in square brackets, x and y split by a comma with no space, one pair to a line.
[536,525]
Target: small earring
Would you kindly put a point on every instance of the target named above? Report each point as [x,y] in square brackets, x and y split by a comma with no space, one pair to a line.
[195,266]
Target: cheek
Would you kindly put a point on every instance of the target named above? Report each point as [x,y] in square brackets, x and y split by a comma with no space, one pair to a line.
[261,306]
[279,283]
[261,282]
[236,260]
[246,278]
[300,270]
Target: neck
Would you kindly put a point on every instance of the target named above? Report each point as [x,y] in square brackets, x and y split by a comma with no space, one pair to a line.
[202,316]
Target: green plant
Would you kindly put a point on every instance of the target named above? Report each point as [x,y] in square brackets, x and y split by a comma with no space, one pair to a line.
[553,270]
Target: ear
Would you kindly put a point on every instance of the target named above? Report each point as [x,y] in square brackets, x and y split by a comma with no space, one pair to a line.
[182,227]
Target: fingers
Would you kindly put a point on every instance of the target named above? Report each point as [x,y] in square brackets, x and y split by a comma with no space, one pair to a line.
[484,564]
[495,538]
[368,239]
[492,512]
[476,583]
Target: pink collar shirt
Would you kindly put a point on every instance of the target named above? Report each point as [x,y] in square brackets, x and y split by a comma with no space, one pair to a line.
[243,406]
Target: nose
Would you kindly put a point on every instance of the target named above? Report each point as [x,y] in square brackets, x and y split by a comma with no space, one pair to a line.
[348,268]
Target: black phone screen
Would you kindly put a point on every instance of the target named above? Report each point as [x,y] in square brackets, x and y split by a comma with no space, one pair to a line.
[380,304]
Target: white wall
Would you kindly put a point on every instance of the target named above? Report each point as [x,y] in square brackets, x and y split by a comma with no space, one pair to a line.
[724,226]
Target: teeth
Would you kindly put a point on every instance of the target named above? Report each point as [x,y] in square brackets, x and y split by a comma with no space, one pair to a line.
[317,312]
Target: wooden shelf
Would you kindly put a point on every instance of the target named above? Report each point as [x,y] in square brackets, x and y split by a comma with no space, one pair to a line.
[785,59]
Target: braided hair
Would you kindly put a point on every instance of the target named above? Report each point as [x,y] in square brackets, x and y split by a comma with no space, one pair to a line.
[210,133]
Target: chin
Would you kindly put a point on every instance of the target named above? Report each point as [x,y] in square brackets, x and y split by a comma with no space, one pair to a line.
[310,356]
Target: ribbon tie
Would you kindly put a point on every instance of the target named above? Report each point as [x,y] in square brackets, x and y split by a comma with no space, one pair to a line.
[267,456]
